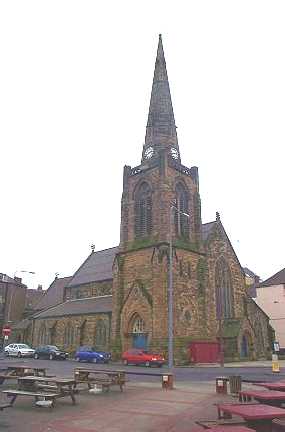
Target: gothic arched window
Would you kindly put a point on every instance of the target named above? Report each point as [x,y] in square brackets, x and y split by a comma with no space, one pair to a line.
[43,335]
[138,325]
[224,293]
[182,204]
[100,333]
[69,335]
[143,211]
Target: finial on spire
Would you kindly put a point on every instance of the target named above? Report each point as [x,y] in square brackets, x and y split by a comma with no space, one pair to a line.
[92,248]
[218,217]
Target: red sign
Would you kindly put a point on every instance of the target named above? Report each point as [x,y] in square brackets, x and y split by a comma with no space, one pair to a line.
[6,331]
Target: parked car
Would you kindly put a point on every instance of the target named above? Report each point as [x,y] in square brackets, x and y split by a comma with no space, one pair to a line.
[142,357]
[50,352]
[19,350]
[92,354]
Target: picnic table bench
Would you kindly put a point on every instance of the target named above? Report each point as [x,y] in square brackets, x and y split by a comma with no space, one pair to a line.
[166,377]
[269,397]
[13,394]
[16,371]
[43,389]
[257,416]
[4,405]
[104,378]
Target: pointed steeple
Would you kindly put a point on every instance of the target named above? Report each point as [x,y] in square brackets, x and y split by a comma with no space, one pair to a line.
[160,129]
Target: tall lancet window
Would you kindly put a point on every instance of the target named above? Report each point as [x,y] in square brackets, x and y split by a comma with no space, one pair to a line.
[182,204]
[143,211]
[224,292]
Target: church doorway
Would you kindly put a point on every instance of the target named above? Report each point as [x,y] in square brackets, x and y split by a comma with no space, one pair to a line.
[140,341]
[139,334]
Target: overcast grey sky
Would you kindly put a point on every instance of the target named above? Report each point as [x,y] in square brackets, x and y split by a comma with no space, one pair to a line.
[75,82]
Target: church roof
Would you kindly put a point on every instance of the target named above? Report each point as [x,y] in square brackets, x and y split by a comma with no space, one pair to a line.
[82,306]
[97,267]
[276,279]
[207,228]
[54,294]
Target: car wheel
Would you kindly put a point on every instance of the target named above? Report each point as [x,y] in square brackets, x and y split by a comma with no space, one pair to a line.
[7,353]
[19,355]
[50,357]
[36,356]
[147,363]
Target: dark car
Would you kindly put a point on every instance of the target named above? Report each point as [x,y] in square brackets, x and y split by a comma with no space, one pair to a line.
[142,357]
[92,354]
[50,352]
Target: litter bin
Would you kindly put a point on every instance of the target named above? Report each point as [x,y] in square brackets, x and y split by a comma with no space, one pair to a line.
[235,384]
[221,385]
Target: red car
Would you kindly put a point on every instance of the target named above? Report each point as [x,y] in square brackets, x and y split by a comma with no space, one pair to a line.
[141,357]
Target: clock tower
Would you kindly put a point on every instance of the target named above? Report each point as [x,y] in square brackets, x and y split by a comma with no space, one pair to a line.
[151,191]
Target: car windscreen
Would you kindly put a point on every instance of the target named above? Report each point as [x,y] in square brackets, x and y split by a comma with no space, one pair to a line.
[23,346]
[53,347]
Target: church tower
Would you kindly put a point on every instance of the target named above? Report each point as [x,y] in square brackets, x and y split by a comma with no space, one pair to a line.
[160,196]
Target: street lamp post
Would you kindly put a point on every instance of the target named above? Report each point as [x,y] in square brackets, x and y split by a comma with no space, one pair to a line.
[170,286]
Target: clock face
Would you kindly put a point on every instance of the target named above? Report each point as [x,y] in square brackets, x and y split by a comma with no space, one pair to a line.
[148,153]
[174,153]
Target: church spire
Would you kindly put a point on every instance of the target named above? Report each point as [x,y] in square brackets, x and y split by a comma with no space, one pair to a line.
[160,129]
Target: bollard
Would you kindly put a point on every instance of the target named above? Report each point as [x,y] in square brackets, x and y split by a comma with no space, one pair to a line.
[167,382]
[221,385]
[275,363]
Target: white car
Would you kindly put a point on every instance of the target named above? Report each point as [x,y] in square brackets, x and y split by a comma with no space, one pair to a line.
[19,350]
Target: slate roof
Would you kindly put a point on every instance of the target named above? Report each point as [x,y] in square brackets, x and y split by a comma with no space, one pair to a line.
[33,297]
[22,325]
[83,306]
[207,228]
[249,273]
[54,294]
[276,279]
[97,267]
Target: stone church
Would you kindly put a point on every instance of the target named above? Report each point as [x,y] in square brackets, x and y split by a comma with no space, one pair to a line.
[118,298]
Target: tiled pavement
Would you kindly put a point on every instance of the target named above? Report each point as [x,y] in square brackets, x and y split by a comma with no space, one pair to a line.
[140,408]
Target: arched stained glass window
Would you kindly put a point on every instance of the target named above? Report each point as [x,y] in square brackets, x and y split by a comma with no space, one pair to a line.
[100,333]
[224,294]
[143,211]
[182,204]
[138,325]
[43,335]
[69,335]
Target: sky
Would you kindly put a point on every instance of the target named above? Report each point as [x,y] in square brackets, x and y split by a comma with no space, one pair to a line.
[75,83]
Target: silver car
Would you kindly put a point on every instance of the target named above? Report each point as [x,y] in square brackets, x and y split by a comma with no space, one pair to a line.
[19,350]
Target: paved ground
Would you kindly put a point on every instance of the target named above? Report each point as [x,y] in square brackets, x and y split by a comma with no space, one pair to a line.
[139,408]
[142,407]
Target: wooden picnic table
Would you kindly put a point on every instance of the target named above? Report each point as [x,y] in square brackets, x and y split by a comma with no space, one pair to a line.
[43,387]
[279,385]
[269,397]
[15,371]
[257,416]
[105,378]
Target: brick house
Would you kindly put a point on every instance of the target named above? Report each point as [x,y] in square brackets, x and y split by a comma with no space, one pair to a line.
[118,298]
